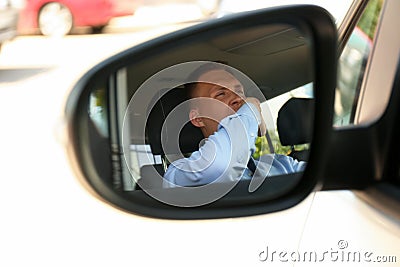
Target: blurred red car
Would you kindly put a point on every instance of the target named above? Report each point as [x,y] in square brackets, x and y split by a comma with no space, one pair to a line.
[8,21]
[59,17]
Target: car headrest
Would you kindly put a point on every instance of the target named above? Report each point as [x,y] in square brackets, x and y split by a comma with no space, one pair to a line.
[189,137]
[295,121]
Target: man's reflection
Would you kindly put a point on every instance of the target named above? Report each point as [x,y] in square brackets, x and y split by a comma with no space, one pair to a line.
[230,123]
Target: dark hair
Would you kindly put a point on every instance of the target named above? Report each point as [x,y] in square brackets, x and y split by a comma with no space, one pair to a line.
[195,75]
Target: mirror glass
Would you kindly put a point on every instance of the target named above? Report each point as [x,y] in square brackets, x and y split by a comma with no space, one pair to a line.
[187,121]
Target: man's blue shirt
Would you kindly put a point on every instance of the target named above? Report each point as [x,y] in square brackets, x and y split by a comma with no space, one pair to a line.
[224,155]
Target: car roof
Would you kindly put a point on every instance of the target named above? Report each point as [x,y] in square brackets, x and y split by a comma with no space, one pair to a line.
[277,58]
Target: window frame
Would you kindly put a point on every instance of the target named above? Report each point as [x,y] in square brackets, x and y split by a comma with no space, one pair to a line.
[372,103]
[361,83]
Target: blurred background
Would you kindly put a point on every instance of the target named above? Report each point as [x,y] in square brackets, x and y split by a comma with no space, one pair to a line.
[34,24]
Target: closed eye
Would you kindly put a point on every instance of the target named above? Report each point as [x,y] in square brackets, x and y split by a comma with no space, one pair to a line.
[220,94]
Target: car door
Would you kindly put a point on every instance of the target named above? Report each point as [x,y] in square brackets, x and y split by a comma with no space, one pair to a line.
[281,231]
[361,226]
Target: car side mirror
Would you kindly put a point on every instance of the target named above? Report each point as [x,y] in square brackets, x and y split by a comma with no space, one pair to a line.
[119,129]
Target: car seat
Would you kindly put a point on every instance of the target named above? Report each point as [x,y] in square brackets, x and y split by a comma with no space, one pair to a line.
[295,125]
[161,139]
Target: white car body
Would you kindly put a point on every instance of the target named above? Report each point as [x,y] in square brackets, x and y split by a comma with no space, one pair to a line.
[49,218]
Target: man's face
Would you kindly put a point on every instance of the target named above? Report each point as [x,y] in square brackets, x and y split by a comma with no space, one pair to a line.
[225,94]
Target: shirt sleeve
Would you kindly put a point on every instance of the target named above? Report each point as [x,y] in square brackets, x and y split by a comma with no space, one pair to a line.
[223,156]
[282,164]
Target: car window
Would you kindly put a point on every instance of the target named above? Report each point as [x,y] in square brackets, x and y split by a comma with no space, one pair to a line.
[353,62]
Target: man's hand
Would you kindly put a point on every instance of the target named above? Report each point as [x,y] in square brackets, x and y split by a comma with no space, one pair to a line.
[262,127]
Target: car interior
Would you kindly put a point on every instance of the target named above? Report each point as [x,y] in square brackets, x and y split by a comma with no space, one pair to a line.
[275,57]
[294,128]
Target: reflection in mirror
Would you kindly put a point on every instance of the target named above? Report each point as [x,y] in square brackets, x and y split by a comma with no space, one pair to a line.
[260,85]
[353,64]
